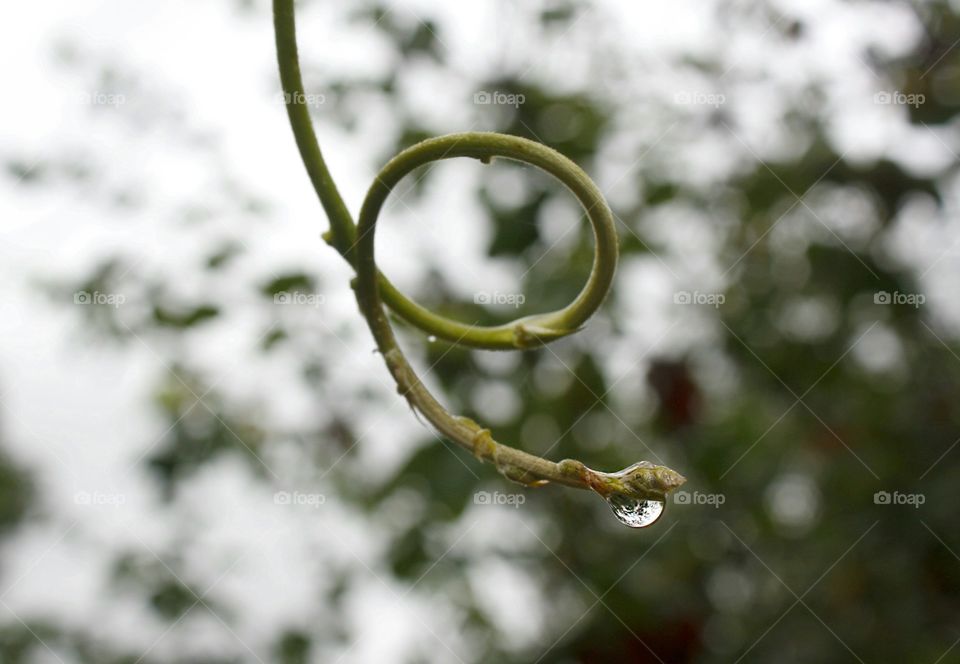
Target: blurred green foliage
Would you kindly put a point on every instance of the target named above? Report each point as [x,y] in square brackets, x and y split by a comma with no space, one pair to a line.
[857,581]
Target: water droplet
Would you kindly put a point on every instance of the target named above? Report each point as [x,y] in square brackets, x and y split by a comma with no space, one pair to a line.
[432,339]
[635,513]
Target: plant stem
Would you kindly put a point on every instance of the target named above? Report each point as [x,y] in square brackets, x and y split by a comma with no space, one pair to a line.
[356,244]
[523,333]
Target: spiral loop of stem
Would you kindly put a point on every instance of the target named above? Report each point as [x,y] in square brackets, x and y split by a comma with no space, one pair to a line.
[522,333]
[641,481]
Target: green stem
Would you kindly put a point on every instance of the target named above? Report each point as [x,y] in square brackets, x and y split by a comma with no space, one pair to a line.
[524,332]
[341,224]
[356,244]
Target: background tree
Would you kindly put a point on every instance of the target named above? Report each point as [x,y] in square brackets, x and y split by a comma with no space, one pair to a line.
[220,470]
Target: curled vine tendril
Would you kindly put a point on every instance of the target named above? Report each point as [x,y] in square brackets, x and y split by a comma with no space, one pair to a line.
[625,489]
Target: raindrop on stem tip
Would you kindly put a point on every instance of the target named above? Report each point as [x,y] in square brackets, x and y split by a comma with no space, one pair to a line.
[635,513]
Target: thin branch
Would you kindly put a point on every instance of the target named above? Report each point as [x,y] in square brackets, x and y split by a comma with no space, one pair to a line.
[625,489]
